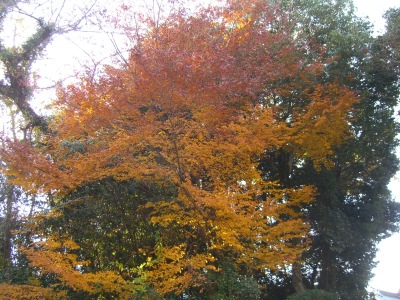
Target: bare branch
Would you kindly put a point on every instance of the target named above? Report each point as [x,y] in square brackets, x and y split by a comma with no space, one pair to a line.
[117,49]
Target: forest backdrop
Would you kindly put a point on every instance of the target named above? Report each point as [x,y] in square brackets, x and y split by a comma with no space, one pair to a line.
[239,150]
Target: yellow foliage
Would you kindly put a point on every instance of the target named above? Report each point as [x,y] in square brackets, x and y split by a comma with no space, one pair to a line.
[324,125]
[29,292]
[54,256]
[191,109]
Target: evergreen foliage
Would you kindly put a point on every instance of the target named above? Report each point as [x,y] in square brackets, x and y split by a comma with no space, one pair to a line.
[314,295]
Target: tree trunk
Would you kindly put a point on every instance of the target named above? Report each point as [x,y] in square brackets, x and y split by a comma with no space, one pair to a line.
[328,270]
[297,278]
[7,245]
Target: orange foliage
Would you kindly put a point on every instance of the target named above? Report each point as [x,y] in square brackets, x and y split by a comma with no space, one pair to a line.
[54,256]
[29,292]
[195,108]
[324,124]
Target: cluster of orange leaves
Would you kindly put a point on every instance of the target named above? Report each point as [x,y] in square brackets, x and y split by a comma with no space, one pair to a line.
[53,256]
[193,108]
[29,292]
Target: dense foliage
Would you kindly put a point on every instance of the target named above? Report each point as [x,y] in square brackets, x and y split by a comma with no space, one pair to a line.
[242,150]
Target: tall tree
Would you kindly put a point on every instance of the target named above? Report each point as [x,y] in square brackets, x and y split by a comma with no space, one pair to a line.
[181,128]
[230,141]
[354,209]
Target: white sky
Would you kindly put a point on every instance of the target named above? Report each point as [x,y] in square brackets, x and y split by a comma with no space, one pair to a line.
[374,9]
[387,272]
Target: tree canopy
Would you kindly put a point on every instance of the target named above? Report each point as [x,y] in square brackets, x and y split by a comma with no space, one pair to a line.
[241,149]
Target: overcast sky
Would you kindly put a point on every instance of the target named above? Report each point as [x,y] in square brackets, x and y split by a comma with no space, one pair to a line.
[374,9]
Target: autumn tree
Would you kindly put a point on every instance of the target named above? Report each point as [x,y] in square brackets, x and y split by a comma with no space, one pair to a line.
[181,128]
[20,49]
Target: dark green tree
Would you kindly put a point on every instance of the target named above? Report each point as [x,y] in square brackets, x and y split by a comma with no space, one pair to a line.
[391,39]
[354,209]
